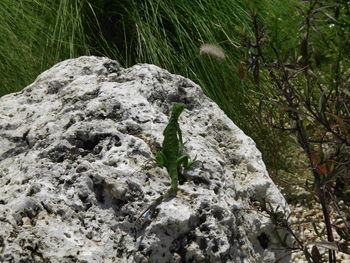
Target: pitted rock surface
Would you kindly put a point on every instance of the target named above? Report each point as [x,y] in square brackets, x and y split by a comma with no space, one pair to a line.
[76,170]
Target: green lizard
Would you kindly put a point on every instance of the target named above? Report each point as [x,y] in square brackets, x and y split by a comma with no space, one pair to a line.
[170,157]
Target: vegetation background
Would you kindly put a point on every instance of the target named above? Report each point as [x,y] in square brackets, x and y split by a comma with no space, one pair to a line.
[36,34]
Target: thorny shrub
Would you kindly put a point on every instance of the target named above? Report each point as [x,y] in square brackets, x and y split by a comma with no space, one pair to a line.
[304,90]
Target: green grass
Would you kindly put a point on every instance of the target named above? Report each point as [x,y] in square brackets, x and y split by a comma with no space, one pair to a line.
[37,34]
[34,36]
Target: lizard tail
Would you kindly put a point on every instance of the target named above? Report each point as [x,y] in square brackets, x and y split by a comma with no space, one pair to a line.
[156,202]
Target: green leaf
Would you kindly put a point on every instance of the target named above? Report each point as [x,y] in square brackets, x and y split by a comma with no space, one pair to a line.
[322,106]
[335,173]
[315,229]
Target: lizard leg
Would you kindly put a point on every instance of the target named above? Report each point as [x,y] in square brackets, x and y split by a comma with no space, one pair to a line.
[179,136]
[160,159]
[185,161]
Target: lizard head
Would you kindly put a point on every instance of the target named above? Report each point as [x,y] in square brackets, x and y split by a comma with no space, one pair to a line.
[177,109]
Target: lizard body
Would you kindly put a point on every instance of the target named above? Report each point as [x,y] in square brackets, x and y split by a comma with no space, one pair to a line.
[170,157]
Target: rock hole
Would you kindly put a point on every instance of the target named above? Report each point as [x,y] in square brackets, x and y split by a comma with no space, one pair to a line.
[25,138]
[112,67]
[98,190]
[83,196]
[200,180]
[105,199]
[216,189]
[204,229]
[141,247]
[60,159]
[215,247]
[202,218]
[90,141]
[203,243]
[264,240]
[218,213]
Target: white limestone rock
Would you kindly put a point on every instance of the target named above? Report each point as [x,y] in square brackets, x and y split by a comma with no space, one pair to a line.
[75,173]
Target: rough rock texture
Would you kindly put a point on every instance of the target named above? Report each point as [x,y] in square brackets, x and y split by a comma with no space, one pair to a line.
[75,172]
